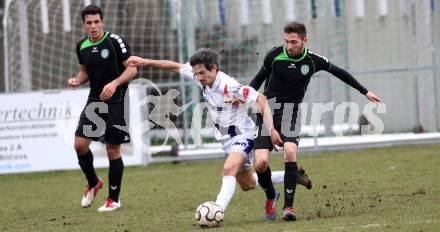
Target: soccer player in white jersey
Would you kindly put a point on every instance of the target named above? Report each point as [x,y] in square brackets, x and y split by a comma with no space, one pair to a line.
[235,129]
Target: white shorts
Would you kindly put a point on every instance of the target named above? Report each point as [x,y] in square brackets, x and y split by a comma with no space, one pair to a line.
[243,146]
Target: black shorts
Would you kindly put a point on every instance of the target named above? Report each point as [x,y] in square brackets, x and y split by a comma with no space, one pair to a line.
[103,121]
[289,130]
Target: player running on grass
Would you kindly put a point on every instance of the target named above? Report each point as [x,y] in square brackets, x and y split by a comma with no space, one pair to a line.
[287,71]
[234,128]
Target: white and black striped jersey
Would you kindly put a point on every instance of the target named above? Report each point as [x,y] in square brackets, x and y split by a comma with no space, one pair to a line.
[228,119]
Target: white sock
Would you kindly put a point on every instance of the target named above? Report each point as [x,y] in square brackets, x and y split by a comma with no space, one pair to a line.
[277,177]
[227,191]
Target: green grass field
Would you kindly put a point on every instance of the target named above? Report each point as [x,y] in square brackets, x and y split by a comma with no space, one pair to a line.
[389,189]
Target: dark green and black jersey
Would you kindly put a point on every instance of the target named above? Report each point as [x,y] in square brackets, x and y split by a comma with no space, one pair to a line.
[287,77]
[103,61]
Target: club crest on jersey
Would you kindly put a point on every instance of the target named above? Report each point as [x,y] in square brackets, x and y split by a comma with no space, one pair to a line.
[104,53]
[304,69]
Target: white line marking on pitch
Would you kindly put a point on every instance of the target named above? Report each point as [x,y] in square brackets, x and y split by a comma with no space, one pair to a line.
[368,226]
[371,225]
[382,225]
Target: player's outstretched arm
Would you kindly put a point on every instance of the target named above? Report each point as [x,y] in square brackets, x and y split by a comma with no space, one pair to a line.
[266,113]
[350,80]
[168,65]
[79,79]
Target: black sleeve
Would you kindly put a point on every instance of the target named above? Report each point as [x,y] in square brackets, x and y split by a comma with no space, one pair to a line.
[78,54]
[347,78]
[264,72]
[320,61]
[261,76]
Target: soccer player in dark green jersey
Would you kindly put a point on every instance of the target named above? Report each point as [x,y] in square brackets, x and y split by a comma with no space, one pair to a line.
[102,62]
[287,70]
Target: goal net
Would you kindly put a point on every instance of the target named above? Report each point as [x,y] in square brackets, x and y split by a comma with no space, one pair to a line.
[365,37]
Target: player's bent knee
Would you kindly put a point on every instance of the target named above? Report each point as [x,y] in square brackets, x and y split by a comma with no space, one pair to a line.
[290,154]
[262,165]
[245,182]
[247,187]
[81,148]
[289,149]
[230,169]
[113,151]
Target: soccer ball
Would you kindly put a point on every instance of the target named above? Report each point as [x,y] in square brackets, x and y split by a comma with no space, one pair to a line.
[209,214]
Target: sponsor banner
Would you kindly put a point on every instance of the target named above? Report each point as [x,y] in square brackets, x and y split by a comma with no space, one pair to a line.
[37,131]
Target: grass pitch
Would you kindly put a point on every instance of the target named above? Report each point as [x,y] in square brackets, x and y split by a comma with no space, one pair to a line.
[389,189]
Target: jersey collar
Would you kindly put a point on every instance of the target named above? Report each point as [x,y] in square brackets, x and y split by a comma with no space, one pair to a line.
[87,43]
[286,57]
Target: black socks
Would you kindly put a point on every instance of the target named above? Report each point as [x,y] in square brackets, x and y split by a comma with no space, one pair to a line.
[86,164]
[265,181]
[115,172]
[290,176]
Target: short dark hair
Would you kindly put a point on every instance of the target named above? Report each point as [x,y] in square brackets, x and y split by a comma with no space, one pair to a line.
[91,10]
[295,27]
[206,56]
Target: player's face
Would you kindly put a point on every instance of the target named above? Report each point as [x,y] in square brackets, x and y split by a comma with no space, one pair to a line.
[205,76]
[93,26]
[294,43]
